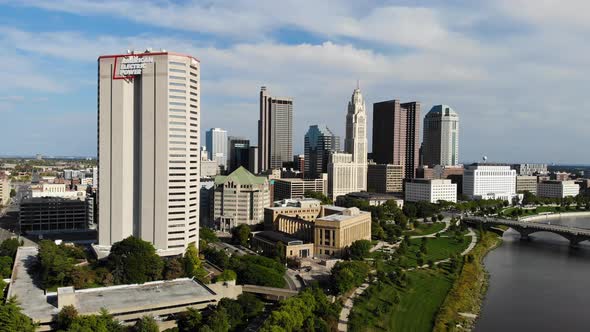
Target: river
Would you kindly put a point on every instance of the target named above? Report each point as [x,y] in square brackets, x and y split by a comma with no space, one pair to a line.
[538,285]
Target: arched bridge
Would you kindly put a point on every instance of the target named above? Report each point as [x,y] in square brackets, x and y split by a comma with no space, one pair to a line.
[573,234]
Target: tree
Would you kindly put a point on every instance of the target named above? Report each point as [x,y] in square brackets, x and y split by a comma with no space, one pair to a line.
[208,235]
[12,193]
[190,320]
[227,275]
[173,268]
[347,275]
[192,263]
[219,321]
[251,305]
[234,311]
[12,318]
[103,322]
[5,266]
[134,261]
[241,234]
[57,263]
[318,195]
[9,247]
[360,249]
[146,324]
[66,316]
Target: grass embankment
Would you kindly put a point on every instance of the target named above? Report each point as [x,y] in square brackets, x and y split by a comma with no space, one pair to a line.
[436,249]
[509,212]
[426,229]
[469,288]
[419,301]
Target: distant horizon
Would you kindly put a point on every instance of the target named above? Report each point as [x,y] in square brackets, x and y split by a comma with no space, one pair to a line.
[495,70]
[461,163]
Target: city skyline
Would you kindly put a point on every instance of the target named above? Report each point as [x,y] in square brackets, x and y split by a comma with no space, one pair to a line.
[480,65]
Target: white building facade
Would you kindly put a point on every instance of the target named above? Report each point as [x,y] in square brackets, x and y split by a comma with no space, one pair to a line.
[148,149]
[433,191]
[347,172]
[489,181]
[558,189]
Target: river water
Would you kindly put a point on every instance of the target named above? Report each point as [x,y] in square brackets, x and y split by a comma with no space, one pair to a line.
[538,285]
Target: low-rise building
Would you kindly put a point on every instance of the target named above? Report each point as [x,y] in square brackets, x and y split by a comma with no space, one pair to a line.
[558,189]
[374,199]
[296,187]
[489,181]
[433,191]
[530,169]
[53,215]
[268,242]
[338,229]
[239,198]
[385,178]
[58,190]
[330,228]
[526,183]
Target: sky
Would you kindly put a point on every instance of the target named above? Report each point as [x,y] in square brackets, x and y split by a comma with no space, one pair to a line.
[516,71]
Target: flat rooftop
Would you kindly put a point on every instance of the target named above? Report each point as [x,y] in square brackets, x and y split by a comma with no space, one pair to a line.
[32,298]
[155,294]
[275,236]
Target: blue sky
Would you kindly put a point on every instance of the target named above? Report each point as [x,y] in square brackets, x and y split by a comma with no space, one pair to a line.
[514,70]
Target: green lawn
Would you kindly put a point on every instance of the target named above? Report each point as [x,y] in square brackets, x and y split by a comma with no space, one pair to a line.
[416,311]
[426,229]
[437,249]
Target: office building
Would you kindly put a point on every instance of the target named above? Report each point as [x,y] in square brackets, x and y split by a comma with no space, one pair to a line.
[4,189]
[441,137]
[396,135]
[531,169]
[148,149]
[253,160]
[297,187]
[275,131]
[526,183]
[208,168]
[453,173]
[206,203]
[299,163]
[489,181]
[385,178]
[238,149]
[347,172]
[216,143]
[331,228]
[432,191]
[239,198]
[52,215]
[319,143]
[558,189]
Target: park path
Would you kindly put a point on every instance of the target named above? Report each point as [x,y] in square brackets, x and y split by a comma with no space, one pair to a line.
[347,308]
[447,225]
[349,303]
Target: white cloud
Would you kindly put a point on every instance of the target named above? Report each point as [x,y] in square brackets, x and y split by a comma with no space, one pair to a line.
[509,89]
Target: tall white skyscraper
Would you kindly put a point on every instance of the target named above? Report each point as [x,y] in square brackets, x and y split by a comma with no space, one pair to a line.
[148,149]
[441,137]
[216,142]
[347,172]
